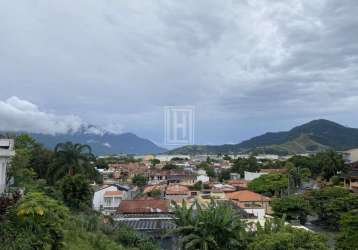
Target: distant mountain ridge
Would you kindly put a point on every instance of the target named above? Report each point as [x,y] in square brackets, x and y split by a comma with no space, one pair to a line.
[101,141]
[313,136]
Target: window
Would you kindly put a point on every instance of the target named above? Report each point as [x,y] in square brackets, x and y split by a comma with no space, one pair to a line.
[107,201]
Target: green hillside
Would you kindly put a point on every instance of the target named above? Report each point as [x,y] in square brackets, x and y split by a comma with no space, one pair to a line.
[313,136]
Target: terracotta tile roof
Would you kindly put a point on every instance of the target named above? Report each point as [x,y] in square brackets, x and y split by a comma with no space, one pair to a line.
[246,195]
[143,206]
[150,188]
[113,193]
[177,190]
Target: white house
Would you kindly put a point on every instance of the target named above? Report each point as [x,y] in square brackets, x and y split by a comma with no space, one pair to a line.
[202,178]
[108,198]
[6,151]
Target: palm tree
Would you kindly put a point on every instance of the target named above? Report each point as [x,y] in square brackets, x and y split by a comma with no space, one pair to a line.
[71,158]
[214,226]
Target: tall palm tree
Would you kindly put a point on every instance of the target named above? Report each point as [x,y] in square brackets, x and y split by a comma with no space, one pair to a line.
[71,158]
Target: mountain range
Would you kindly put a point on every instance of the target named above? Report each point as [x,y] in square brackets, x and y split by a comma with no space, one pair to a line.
[101,141]
[314,136]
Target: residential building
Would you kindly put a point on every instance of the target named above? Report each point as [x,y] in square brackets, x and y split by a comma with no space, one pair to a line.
[107,198]
[251,202]
[351,178]
[176,192]
[6,152]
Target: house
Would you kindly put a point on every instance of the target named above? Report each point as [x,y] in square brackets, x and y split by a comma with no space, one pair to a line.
[150,216]
[169,176]
[351,178]
[351,156]
[251,202]
[107,198]
[176,192]
[144,206]
[234,176]
[202,178]
[6,152]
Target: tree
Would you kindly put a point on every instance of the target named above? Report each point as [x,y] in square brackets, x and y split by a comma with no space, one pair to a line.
[171,166]
[72,159]
[154,162]
[198,186]
[210,171]
[76,191]
[330,203]
[269,184]
[296,176]
[241,165]
[130,238]
[330,163]
[294,207]
[216,226]
[44,218]
[155,193]
[139,180]
[347,238]
[224,175]
[289,239]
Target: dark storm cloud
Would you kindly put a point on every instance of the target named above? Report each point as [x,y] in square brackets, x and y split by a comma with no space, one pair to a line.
[117,63]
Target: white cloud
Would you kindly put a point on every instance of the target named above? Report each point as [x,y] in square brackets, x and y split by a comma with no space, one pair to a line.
[20,115]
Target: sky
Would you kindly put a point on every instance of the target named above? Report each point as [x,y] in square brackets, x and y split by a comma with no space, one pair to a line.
[247,66]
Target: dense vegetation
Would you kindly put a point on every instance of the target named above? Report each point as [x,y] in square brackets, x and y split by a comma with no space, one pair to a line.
[218,226]
[54,210]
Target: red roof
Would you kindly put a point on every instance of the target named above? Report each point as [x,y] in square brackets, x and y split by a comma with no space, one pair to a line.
[113,193]
[177,190]
[143,206]
[245,195]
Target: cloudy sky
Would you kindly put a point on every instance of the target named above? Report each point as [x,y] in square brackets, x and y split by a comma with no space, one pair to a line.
[248,66]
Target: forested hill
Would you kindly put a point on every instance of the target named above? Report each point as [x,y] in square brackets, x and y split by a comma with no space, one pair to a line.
[313,136]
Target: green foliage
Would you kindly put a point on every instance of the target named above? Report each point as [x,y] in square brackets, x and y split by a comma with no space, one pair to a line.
[224,174]
[216,226]
[347,238]
[130,238]
[43,219]
[171,166]
[198,186]
[269,184]
[76,192]
[330,163]
[331,202]
[139,180]
[154,162]
[294,207]
[71,159]
[289,239]
[154,193]
[241,165]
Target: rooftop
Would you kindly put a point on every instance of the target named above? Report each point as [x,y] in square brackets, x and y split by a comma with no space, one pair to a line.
[177,190]
[245,195]
[143,206]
